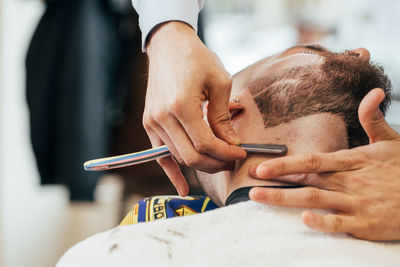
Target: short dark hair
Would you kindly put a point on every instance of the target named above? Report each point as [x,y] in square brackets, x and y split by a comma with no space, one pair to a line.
[336,86]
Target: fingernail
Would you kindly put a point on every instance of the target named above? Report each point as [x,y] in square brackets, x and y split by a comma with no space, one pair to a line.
[180,192]
[310,218]
[253,171]
[257,193]
[263,171]
[234,138]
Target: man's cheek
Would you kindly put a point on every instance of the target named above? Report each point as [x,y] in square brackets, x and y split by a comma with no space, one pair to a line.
[245,129]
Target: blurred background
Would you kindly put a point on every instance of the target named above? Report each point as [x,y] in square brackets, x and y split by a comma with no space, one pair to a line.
[72,87]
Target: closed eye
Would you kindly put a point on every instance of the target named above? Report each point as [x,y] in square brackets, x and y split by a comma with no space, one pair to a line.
[306,52]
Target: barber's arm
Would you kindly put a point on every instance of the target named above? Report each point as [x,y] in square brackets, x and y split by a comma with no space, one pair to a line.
[183,73]
[155,12]
[362,185]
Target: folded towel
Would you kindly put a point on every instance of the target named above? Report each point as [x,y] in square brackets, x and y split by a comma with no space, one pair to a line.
[244,234]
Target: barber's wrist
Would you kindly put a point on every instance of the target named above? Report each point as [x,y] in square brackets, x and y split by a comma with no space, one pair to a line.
[168,32]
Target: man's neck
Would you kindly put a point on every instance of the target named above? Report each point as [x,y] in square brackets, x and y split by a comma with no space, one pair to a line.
[241,180]
[242,194]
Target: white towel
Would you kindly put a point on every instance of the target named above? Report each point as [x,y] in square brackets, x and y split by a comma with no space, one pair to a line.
[245,234]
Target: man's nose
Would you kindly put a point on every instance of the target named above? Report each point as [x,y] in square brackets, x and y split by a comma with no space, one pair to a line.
[362,53]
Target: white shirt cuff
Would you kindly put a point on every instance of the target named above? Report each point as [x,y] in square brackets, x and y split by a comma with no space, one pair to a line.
[153,12]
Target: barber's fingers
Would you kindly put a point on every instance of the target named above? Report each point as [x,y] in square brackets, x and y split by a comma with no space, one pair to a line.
[371,118]
[174,173]
[342,160]
[186,152]
[314,179]
[218,115]
[306,197]
[331,223]
[169,164]
[343,222]
[173,135]
[202,137]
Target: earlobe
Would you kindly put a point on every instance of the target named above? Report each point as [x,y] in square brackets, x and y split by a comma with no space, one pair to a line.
[362,53]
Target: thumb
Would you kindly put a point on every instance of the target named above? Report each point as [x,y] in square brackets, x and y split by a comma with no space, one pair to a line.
[218,115]
[371,118]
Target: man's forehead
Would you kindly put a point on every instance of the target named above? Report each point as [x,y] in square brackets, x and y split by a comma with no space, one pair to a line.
[300,47]
[313,47]
[277,68]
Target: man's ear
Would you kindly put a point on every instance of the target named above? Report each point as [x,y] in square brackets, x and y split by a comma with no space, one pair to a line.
[362,53]
[235,108]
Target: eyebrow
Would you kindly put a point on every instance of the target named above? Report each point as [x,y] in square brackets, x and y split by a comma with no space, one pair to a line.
[314,47]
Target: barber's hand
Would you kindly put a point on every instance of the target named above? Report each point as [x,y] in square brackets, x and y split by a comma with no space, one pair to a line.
[362,185]
[183,73]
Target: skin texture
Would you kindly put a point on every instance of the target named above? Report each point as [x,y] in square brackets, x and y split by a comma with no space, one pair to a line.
[362,185]
[183,74]
[318,132]
[322,132]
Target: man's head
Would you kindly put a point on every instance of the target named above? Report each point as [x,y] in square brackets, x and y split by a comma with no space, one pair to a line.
[305,97]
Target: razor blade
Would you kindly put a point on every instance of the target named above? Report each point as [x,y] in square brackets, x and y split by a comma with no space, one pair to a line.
[163,151]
